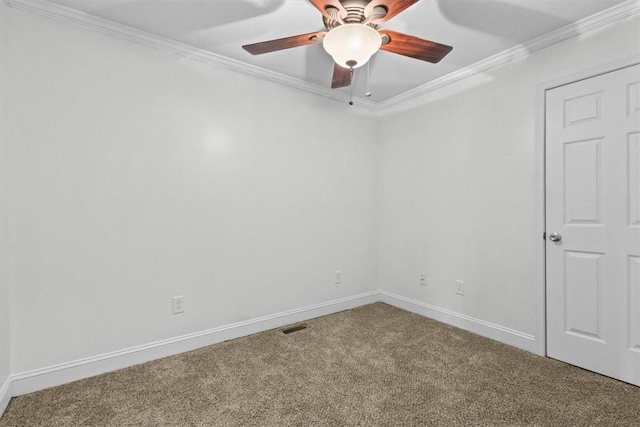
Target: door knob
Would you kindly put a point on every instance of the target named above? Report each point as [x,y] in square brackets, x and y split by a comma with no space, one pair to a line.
[555,237]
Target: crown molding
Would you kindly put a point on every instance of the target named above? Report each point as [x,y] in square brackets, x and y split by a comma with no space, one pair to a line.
[573,29]
[585,25]
[73,16]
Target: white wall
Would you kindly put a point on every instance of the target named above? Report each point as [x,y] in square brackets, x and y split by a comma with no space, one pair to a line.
[130,175]
[135,175]
[458,184]
[5,370]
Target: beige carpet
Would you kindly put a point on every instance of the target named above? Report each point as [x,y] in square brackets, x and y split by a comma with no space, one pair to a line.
[371,366]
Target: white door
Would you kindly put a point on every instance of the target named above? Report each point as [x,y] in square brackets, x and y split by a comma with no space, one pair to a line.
[593,207]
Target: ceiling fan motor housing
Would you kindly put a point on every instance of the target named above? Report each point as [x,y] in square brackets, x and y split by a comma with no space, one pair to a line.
[355,14]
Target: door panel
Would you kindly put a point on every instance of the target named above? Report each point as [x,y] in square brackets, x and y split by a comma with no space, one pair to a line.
[583,294]
[593,201]
[581,109]
[582,181]
[633,178]
[634,302]
[633,98]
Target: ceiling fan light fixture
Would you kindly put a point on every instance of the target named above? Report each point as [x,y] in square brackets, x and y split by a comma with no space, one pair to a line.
[351,45]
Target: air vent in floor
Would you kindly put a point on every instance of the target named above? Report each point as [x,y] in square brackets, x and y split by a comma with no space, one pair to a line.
[294,329]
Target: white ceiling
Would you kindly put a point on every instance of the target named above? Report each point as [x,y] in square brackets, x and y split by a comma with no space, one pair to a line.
[476,29]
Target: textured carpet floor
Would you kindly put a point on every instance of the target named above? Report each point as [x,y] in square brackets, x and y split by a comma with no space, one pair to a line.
[371,366]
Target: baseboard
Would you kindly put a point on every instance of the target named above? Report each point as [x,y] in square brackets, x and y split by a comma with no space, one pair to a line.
[28,382]
[39,379]
[5,395]
[462,321]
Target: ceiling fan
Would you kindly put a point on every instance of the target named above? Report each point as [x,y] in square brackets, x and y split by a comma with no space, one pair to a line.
[352,36]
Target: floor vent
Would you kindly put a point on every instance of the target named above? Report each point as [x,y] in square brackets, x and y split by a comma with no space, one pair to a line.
[294,329]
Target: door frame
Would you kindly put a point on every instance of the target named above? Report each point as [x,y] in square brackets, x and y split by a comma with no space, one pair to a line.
[540,158]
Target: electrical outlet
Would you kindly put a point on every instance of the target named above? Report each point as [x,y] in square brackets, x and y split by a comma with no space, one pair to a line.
[422,279]
[338,280]
[460,287]
[178,304]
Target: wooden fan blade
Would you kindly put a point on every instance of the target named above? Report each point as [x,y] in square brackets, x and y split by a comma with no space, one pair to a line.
[414,47]
[393,7]
[284,43]
[341,77]
[321,5]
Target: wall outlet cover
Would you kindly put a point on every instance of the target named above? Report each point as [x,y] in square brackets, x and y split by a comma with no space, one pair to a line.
[177,304]
[338,280]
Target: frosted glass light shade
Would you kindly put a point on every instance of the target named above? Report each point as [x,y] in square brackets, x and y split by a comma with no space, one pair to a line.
[351,45]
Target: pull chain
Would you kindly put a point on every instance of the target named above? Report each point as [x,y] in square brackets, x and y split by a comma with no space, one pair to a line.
[351,86]
[368,92]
